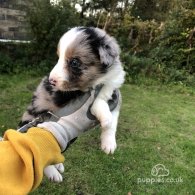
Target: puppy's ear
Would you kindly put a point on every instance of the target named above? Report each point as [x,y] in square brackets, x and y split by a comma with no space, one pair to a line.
[109,51]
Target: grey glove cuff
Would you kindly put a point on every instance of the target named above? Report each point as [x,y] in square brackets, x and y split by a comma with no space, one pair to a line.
[58,132]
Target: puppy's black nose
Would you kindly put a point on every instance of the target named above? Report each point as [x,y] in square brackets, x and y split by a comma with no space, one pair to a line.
[52,82]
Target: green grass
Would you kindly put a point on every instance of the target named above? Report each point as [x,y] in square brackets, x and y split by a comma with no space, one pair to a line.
[156,126]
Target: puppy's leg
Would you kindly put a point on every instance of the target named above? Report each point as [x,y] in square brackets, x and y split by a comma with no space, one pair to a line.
[53,172]
[108,123]
[102,112]
[108,135]
[107,119]
[101,109]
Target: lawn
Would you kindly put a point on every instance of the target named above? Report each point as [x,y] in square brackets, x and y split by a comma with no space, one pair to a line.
[156,126]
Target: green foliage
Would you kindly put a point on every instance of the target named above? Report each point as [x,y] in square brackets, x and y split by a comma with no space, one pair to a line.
[175,47]
[136,66]
[17,57]
[137,36]
[151,9]
[14,57]
[6,64]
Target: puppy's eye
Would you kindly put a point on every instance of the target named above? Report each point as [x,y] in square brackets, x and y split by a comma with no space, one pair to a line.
[75,63]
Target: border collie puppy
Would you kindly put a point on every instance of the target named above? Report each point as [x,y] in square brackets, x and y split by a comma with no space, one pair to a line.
[87,57]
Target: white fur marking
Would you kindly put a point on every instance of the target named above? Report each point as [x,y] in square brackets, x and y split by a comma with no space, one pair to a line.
[59,72]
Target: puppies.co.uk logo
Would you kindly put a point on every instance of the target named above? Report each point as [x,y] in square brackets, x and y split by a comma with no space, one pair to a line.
[159,170]
[160,175]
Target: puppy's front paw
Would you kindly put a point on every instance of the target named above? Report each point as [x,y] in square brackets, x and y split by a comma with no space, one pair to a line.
[59,167]
[108,143]
[52,173]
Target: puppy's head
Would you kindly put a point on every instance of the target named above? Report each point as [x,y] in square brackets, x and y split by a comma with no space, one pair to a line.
[85,54]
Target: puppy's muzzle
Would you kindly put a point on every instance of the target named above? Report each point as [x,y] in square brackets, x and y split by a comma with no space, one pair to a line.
[52,81]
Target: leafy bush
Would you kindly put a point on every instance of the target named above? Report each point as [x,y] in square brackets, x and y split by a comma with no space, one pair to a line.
[14,57]
[17,57]
[6,64]
[175,47]
[135,66]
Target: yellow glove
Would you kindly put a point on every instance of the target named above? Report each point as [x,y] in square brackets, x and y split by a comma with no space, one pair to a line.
[24,156]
